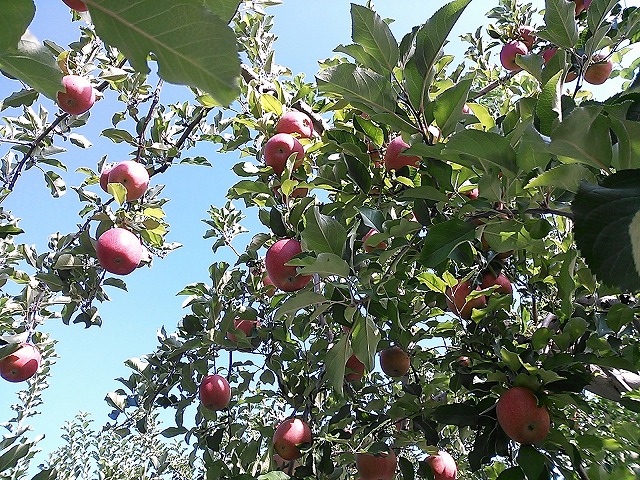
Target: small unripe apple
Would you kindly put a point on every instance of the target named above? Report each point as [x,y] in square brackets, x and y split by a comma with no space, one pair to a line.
[393,157]
[133,176]
[78,96]
[443,465]
[394,361]
[520,416]
[457,302]
[104,178]
[509,52]
[381,466]
[247,326]
[21,364]
[289,436]
[489,280]
[295,121]
[285,277]
[354,369]
[214,392]
[279,148]
[77,5]
[525,32]
[119,251]
[599,72]
[370,248]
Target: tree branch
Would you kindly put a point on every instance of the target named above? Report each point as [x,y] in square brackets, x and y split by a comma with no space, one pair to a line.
[147,119]
[611,383]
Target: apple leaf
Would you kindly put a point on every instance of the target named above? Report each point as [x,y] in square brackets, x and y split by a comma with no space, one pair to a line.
[323,234]
[371,32]
[225,9]
[628,135]
[473,148]
[532,462]
[26,97]
[207,60]
[326,264]
[9,230]
[505,235]
[513,473]
[549,107]
[335,363]
[459,414]
[607,228]
[364,340]
[299,301]
[16,17]
[447,107]
[566,176]
[560,23]
[443,238]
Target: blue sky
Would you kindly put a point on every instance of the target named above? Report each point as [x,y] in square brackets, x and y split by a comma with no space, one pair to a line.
[91,359]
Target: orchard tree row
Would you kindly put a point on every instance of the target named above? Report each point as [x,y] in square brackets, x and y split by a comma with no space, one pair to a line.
[443,284]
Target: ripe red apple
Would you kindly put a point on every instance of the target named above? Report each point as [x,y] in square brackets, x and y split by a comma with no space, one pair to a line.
[133,176]
[466,109]
[472,194]
[377,467]
[582,5]
[247,326]
[393,158]
[279,148]
[509,52]
[78,96]
[21,364]
[77,5]
[283,276]
[119,251]
[520,416]
[456,299]
[597,73]
[443,465]
[370,248]
[289,435]
[355,369]
[214,392]
[104,177]
[525,32]
[267,284]
[394,361]
[489,280]
[295,121]
[548,53]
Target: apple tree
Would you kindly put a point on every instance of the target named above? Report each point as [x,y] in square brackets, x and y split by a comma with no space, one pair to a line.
[443,273]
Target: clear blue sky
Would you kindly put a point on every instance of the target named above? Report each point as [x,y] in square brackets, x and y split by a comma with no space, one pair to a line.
[91,359]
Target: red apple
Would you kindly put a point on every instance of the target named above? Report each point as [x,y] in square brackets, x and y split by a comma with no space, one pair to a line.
[394,361]
[380,466]
[355,369]
[133,176]
[526,35]
[21,364]
[456,299]
[598,72]
[215,392]
[283,276]
[393,158]
[443,465]
[370,248]
[489,280]
[78,96]
[119,251]
[289,436]
[247,326]
[267,285]
[104,177]
[279,148]
[582,5]
[548,53]
[295,121]
[509,52]
[520,416]
[76,5]
[472,194]
[466,109]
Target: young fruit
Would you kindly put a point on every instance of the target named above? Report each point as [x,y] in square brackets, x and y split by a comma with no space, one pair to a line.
[394,361]
[380,466]
[119,251]
[279,148]
[443,465]
[354,369]
[133,176]
[457,302]
[288,437]
[295,121]
[214,392]
[78,95]
[393,158]
[489,280]
[509,52]
[21,364]
[285,277]
[77,5]
[370,248]
[599,72]
[520,416]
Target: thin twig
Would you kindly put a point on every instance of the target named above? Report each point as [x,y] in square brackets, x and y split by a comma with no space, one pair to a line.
[147,119]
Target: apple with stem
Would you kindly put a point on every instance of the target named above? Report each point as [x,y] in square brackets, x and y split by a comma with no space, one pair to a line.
[354,369]
[214,392]
[443,465]
[279,148]
[22,364]
[509,52]
[78,95]
[295,121]
[289,436]
[456,298]
[520,416]
[119,251]
[599,71]
[133,176]
[380,466]
[393,157]
[394,361]
[283,276]
[77,5]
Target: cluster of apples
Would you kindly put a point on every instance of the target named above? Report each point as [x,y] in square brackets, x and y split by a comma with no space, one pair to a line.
[456,296]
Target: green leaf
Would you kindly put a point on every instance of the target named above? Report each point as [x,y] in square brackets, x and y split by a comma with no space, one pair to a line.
[549,107]
[566,176]
[443,238]
[16,17]
[32,63]
[532,462]
[207,60]
[447,107]
[513,473]
[335,363]
[326,264]
[364,340]
[23,97]
[323,234]
[628,134]
[560,23]
[299,301]
[371,32]
[225,9]
[607,228]
[55,183]
[115,282]
[506,235]
[425,192]
[173,432]
[459,414]
[118,191]
[10,458]
[9,230]
[473,148]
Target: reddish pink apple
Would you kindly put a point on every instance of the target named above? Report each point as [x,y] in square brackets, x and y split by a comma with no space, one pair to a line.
[393,157]
[509,52]
[582,5]
[443,465]
[133,176]
[527,35]
[21,364]
[247,326]
[78,95]
[472,194]
[214,392]
[77,5]
[520,416]
[289,436]
[295,121]
[370,248]
[279,148]
[548,53]
[104,177]
[119,251]
[457,302]
[354,369]
[489,280]
[598,72]
[285,277]
[380,466]
[267,284]
[466,109]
